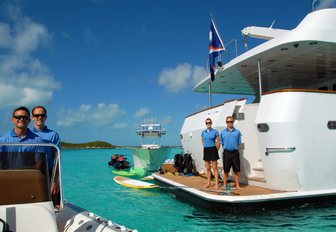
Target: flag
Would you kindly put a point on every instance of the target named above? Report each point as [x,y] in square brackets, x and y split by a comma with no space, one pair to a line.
[215,47]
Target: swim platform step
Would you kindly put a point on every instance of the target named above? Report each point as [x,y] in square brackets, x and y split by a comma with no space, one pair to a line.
[257,179]
[259,169]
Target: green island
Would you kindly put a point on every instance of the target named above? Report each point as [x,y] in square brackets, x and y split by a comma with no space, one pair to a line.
[100,144]
[95,144]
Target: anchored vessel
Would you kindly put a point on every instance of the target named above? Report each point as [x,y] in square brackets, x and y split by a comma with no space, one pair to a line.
[25,197]
[150,156]
[289,130]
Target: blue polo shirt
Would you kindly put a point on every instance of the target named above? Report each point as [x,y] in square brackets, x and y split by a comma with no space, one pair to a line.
[12,137]
[230,139]
[49,136]
[20,161]
[209,137]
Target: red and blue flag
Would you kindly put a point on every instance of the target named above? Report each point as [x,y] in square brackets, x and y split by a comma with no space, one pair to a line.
[216,46]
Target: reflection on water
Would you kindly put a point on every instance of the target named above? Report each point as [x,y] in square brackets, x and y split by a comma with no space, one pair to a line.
[304,218]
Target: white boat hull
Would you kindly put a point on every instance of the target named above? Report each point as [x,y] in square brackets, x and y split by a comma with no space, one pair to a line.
[41,217]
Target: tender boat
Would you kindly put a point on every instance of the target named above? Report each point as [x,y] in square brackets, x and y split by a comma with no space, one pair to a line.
[150,156]
[25,197]
[288,131]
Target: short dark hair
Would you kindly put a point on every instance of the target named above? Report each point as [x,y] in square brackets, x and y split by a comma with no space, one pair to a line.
[208,119]
[36,107]
[22,108]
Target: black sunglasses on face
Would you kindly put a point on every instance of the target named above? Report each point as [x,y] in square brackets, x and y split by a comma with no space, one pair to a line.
[39,115]
[19,117]
[229,121]
[208,122]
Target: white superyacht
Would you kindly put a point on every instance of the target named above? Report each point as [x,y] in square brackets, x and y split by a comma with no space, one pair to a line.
[289,130]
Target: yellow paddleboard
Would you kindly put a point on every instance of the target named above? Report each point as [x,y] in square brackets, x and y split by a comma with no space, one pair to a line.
[128,182]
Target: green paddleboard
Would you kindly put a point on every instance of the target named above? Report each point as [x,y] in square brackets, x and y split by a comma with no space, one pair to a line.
[124,173]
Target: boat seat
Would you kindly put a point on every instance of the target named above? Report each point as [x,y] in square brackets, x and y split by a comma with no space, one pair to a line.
[22,186]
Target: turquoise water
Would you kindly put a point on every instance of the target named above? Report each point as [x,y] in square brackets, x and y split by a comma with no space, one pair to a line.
[88,182]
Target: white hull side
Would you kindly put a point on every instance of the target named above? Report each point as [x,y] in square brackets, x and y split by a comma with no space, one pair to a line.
[298,119]
[150,159]
[31,217]
[194,125]
[41,217]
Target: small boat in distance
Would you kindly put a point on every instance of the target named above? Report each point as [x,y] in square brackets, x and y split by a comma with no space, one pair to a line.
[150,156]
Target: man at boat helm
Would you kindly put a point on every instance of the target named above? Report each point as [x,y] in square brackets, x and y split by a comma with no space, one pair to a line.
[39,116]
[21,134]
[231,139]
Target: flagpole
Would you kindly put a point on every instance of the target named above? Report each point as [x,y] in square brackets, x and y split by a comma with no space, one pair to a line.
[216,46]
[210,95]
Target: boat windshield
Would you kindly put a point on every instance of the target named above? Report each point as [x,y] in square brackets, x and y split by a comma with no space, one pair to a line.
[23,160]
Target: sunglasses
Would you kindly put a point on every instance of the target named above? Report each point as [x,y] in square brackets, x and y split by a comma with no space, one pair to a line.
[229,121]
[19,117]
[39,115]
[208,122]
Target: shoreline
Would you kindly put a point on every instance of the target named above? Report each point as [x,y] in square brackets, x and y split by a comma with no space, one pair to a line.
[115,147]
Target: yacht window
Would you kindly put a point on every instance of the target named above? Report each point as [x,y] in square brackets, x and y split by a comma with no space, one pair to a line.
[262,127]
[334,87]
[323,88]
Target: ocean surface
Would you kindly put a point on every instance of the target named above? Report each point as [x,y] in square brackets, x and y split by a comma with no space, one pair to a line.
[88,182]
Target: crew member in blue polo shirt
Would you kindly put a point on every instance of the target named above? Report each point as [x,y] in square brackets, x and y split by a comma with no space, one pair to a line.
[39,116]
[21,134]
[210,141]
[231,139]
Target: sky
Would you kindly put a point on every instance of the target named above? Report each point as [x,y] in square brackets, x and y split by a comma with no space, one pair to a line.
[103,67]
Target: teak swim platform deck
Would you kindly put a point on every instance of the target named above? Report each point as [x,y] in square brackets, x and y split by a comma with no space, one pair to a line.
[248,198]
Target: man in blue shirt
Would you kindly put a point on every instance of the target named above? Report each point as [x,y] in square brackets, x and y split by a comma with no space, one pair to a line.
[39,116]
[21,134]
[231,139]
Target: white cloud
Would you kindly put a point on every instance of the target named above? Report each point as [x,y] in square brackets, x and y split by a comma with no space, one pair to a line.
[166,121]
[100,115]
[198,74]
[24,80]
[183,75]
[29,36]
[143,111]
[120,125]
[5,38]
